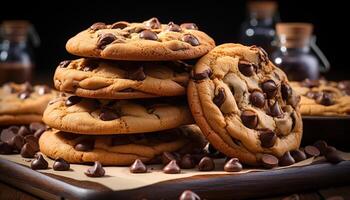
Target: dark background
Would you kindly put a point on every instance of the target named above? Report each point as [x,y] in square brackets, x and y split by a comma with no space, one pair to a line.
[57,21]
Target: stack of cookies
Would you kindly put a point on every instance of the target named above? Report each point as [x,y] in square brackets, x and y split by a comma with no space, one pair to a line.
[124,99]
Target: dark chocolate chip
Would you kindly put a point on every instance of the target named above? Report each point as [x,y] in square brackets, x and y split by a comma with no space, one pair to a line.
[44,90]
[7,135]
[172,168]
[39,163]
[16,142]
[246,68]
[189,195]
[249,119]
[267,138]
[298,155]
[212,149]
[120,25]
[64,64]
[219,99]
[60,165]
[39,132]
[29,149]
[187,162]
[321,145]
[137,74]
[90,65]
[191,39]
[167,157]
[85,144]
[97,26]
[191,26]
[286,91]
[153,23]
[286,159]
[138,167]
[95,171]
[105,39]
[148,35]
[36,126]
[14,129]
[206,164]
[311,151]
[325,99]
[202,75]
[269,161]
[233,165]
[72,100]
[5,148]
[257,98]
[173,27]
[108,115]
[24,95]
[333,156]
[30,138]
[270,88]
[275,110]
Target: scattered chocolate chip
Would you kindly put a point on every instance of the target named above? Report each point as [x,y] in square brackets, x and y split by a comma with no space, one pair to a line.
[153,23]
[191,26]
[97,26]
[246,68]
[39,163]
[72,100]
[36,126]
[7,135]
[269,161]
[219,99]
[108,115]
[148,35]
[64,64]
[14,129]
[85,144]
[270,88]
[24,95]
[286,159]
[257,98]
[173,27]
[138,167]
[44,90]
[137,75]
[60,165]
[172,168]
[332,155]
[275,110]
[202,75]
[267,138]
[96,170]
[5,148]
[29,149]
[39,132]
[298,155]
[206,164]
[191,39]
[189,195]
[321,145]
[187,162]
[105,39]
[30,138]
[325,99]
[286,91]
[16,142]
[233,165]
[249,119]
[119,25]
[167,157]
[311,151]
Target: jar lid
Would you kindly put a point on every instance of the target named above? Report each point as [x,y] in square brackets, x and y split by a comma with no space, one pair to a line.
[294,30]
[262,9]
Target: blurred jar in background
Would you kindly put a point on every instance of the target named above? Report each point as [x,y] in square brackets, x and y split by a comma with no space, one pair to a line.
[293,54]
[16,55]
[259,25]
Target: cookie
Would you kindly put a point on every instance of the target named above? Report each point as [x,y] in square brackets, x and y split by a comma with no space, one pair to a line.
[244,105]
[323,98]
[121,79]
[120,149]
[23,103]
[92,116]
[149,40]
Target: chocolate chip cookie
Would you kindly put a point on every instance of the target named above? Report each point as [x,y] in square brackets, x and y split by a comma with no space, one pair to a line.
[120,149]
[323,98]
[149,40]
[121,79]
[244,105]
[93,116]
[23,103]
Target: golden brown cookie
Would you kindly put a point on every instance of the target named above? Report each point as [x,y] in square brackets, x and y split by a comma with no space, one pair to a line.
[92,116]
[323,98]
[149,40]
[244,104]
[120,149]
[121,79]
[23,103]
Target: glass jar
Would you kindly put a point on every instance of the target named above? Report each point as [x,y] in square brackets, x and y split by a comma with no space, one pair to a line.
[297,53]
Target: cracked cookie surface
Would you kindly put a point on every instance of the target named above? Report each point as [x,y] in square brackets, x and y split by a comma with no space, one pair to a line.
[244,105]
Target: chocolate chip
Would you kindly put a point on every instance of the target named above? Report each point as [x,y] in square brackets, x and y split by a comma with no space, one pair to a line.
[14,129]
[105,39]
[267,138]
[95,171]
[137,75]
[72,100]
[310,83]
[27,87]
[39,163]
[97,26]
[64,64]
[167,157]
[202,75]
[286,159]
[7,135]
[257,98]
[39,132]
[85,144]
[189,195]
[34,126]
[333,156]
[119,25]
[233,165]
[24,95]
[191,39]
[16,142]
[90,65]
[206,164]
[298,155]
[29,149]
[172,168]
[269,161]
[173,27]
[187,162]
[275,110]
[249,119]
[138,167]
[246,68]
[191,26]
[321,145]
[311,151]
[153,23]
[286,91]
[30,138]
[108,115]
[219,99]
[325,99]
[148,35]
[44,90]
[60,165]
[270,88]
[5,148]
